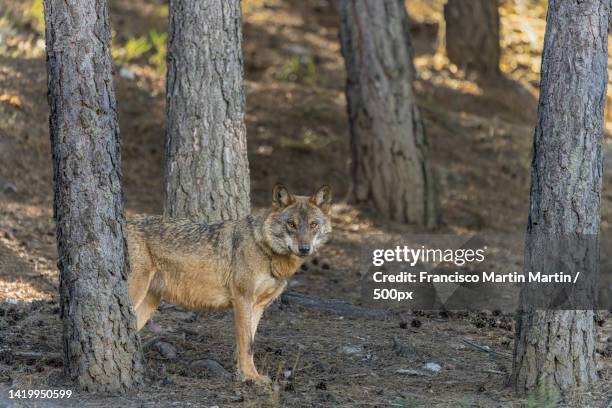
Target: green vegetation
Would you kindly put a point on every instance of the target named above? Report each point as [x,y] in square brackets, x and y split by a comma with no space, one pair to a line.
[147,49]
[133,49]
[308,140]
[34,15]
[297,70]
[545,396]
[158,59]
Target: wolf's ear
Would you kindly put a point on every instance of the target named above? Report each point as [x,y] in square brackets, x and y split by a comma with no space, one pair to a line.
[281,197]
[322,198]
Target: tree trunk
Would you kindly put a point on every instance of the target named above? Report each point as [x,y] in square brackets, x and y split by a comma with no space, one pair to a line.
[207,169]
[555,348]
[390,154]
[472,35]
[101,346]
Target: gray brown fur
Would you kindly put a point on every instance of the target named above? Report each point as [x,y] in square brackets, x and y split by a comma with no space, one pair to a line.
[241,265]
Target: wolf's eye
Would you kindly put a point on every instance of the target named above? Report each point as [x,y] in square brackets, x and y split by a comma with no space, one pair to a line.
[314,225]
[291,224]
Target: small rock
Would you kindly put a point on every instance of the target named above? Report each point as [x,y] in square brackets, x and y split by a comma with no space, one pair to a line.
[237,398]
[351,350]
[213,367]
[411,372]
[405,350]
[435,367]
[127,74]
[7,186]
[167,350]
[328,398]
[191,318]
[294,282]
[154,327]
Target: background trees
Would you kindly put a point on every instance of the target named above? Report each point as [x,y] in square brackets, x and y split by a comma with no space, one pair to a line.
[556,347]
[207,169]
[101,347]
[481,138]
[472,35]
[390,154]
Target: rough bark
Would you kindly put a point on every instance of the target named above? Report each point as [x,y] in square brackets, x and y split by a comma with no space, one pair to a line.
[472,35]
[555,348]
[207,169]
[101,346]
[390,153]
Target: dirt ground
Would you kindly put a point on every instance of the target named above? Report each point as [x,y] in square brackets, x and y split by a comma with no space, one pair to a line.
[480,135]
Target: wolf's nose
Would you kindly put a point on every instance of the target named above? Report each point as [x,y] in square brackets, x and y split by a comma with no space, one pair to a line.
[304,249]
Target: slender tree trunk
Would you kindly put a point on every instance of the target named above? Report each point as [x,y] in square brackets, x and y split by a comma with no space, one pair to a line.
[390,154]
[207,169]
[472,35]
[555,348]
[101,346]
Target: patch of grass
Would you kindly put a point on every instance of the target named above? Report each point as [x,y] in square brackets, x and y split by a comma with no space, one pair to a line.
[5,21]
[161,11]
[545,396]
[147,49]
[34,15]
[250,5]
[134,48]
[309,140]
[158,59]
[295,69]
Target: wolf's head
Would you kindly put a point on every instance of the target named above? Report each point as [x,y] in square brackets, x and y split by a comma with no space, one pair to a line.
[298,225]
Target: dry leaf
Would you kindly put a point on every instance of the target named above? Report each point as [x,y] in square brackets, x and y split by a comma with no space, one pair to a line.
[12,100]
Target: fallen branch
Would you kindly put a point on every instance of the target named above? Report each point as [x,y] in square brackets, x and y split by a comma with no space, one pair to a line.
[333,306]
[487,350]
[495,372]
[35,355]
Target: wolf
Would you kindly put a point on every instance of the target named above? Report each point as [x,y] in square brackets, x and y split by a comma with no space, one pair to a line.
[242,265]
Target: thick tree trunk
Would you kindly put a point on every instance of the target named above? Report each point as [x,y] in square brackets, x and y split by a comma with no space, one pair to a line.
[472,35]
[207,169]
[101,346]
[390,154]
[556,347]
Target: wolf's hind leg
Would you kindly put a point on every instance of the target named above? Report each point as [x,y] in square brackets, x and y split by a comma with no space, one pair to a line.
[147,307]
[139,282]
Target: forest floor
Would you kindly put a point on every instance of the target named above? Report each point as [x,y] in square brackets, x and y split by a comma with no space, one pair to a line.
[480,134]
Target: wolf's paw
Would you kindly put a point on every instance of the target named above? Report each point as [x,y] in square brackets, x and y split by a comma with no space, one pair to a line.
[261,380]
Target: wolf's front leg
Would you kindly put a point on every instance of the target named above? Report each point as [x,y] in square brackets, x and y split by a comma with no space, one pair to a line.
[243,317]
